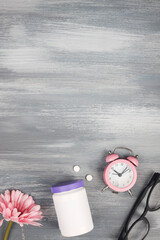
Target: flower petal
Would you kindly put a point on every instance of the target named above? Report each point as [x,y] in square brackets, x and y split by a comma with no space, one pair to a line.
[13,197]
[36,224]
[1,222]
[10,206]
[7,196]
[6,213]
[27,203]
[4,200]
[15,213]
[17,194]
[2,207]
[22,201]
[35,208]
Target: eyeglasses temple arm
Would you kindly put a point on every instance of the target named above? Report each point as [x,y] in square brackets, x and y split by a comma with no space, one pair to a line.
[136,204]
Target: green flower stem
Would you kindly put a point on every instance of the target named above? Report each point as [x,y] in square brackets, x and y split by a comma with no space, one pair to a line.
[8,230]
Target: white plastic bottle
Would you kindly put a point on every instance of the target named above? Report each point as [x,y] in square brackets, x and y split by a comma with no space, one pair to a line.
[72,208]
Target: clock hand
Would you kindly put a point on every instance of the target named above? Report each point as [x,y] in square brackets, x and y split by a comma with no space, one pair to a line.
[119,174]
[124,170]
[116,171]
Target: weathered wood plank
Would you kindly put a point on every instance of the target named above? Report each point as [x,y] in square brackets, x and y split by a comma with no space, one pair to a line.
[77,79]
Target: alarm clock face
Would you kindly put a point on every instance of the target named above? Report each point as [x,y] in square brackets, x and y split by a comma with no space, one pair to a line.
[120,175]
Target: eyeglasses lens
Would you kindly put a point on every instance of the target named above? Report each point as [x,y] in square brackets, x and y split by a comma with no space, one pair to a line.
[154,200]
[139,230]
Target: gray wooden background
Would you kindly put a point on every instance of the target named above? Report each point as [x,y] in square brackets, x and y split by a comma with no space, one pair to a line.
[77,79]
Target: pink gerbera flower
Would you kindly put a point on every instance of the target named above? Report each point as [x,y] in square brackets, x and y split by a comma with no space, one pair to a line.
[18,207]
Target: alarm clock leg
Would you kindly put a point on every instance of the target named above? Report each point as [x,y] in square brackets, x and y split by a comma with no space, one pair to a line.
[106,187]
[114,192]
[130,193]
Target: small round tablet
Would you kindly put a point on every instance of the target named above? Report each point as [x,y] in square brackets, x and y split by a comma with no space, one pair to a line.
[76,168]
[89,177]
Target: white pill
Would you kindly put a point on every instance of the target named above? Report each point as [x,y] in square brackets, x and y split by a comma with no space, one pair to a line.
[89,177]
[76,168]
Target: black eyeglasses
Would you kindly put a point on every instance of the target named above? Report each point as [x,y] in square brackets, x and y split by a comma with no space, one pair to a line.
[137,227]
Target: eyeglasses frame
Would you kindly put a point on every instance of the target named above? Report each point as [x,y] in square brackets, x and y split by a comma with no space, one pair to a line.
[155,179]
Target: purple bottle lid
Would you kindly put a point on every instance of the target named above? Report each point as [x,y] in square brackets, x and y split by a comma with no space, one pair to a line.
[67,186]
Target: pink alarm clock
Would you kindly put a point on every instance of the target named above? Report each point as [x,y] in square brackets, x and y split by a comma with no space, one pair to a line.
[120,175]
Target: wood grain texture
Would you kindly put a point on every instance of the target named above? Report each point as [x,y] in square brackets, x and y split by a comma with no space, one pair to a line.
[77,79]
